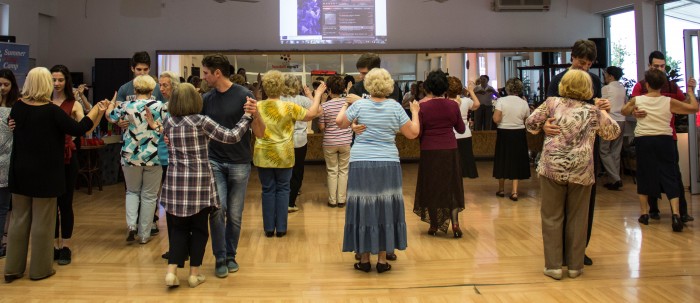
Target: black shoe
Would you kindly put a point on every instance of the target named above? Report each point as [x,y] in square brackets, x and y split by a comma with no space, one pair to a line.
[269,234]
[366,267]
[644,219]
[131,236]
[10,278]
[587,260]
[432,230]
[332,205]
[614,186]
[165,255]
[383,267]
[341,205]
[500,193]
[154,230]
[655,216]
[64,256]
[281,234]
[676,224]
[391,257]
[687,218]
[56,253]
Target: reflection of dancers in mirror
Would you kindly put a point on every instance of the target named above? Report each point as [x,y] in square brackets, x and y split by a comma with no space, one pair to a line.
[308,16]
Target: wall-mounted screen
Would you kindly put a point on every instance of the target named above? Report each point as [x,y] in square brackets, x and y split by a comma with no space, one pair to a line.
[333,22]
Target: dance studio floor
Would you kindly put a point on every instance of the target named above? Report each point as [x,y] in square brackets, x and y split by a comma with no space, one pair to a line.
[499,259]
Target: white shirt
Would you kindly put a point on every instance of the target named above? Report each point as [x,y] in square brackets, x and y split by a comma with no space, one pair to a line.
[300,126]
[658,119]
[464,107]
[515,110]
[617,94]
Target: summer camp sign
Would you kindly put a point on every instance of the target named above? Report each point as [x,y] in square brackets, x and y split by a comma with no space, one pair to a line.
[15,57]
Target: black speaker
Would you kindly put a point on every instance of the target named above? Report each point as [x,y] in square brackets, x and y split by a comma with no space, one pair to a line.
[601,45]
[11,39]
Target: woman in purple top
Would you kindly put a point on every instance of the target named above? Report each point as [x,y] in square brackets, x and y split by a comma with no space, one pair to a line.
[439,191]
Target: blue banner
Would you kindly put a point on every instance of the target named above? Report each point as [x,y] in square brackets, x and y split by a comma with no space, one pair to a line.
[15,57]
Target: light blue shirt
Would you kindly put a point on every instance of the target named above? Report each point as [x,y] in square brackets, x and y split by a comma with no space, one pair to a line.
[383,120]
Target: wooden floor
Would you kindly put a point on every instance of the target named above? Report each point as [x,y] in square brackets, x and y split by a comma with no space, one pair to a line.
[499,259]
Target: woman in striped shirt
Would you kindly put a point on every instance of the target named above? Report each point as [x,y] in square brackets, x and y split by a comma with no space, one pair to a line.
[336,143]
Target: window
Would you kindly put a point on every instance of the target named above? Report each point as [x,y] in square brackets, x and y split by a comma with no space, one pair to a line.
[622,45]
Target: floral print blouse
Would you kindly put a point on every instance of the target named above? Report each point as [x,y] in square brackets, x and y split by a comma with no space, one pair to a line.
[568,156]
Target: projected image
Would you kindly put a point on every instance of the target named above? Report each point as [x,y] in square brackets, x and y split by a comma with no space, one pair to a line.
[333,22]
[308,17]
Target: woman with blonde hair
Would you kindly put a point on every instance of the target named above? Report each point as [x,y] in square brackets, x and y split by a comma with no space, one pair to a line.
[274,149]
[36,175]
[375,222]
[566,169]
[292,86]
[140,161]
[189,192]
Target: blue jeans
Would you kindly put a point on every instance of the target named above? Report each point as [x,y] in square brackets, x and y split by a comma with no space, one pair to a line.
[275,197]
[225,222]
[5,198]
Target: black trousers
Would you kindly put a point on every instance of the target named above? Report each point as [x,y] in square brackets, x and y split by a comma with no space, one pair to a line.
[297,174]
[188,236]
[682,202]
[483,118]
[65,219]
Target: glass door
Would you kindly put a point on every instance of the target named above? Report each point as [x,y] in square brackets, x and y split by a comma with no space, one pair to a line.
[692,69]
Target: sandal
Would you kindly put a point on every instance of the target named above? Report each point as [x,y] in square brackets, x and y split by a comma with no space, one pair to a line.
[514,196]
[500,193]
[366,267]
[383,267]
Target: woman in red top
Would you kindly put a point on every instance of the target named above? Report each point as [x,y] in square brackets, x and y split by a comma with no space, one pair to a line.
[63,97]
[439,192]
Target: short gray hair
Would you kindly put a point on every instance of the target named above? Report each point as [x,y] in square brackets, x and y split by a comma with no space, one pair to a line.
[174,78]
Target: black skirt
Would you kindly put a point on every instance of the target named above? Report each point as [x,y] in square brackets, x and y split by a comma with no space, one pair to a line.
[512,161]
[657,170]
[439,189]
[466,158]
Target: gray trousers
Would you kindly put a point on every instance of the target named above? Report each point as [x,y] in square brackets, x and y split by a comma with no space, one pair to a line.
[142,184]
[35,217]
[610,152]
[560,199]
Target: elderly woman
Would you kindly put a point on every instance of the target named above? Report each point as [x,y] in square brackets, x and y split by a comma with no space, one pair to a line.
[167,82]
[189,192]
[566,169]
[336,143]
[439,190]
[464,141]
[273,153]
[292,87]
[36,175]
[140,161]
[653,138]
[374,218]
[511,160]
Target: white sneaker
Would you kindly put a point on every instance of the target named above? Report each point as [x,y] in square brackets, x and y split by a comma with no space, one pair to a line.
[554,273]
[291,209]
[171,280]
[575,273]
[144,240]
[195,280]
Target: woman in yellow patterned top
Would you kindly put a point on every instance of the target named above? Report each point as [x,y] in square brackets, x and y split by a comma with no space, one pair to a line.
[274,150]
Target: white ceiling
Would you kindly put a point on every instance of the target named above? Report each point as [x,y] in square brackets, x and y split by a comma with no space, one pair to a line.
[688,10]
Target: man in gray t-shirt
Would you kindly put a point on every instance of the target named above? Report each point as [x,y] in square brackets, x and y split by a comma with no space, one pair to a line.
[483,116]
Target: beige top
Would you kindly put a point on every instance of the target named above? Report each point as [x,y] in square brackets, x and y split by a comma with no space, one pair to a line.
[658,119]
